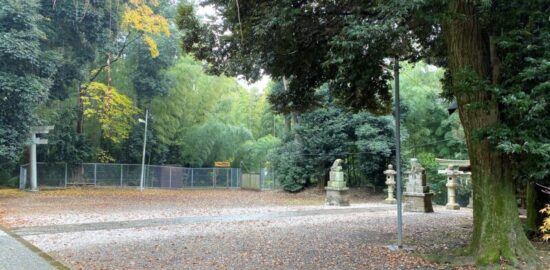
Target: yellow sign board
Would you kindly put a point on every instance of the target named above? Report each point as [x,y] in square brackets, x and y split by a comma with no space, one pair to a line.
[223,164]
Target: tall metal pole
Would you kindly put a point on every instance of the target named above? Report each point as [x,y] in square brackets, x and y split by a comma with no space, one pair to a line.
[398,155]
[33,169]
[143,156]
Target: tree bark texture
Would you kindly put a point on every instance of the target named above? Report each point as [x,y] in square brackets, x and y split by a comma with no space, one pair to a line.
[497,235]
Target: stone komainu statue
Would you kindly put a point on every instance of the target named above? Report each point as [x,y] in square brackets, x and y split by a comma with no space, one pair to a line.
[336,166]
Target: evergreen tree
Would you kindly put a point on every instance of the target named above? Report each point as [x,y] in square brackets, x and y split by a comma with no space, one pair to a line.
[25,74]
[496,59]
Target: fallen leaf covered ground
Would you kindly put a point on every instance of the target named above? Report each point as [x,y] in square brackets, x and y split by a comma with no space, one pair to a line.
[226,229]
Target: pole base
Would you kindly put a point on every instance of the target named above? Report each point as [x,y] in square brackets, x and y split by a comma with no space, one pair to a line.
[390,201]
[453,206]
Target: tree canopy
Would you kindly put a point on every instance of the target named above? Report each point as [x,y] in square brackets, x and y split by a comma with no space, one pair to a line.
[25,74]
[493,52]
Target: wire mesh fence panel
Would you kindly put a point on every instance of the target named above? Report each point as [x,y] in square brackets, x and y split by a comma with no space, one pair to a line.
[165,177]
[268,179]
[75,174]
[187,177]
[177,177]
[154,175]
[202,178]
[23,171]
[222,177]
[235,178]
[129,175]
[50,174]
[107,174]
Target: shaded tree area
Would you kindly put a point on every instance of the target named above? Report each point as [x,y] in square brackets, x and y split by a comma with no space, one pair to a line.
[330,132]
[92,68]
[25,76]
[496,61]
[431,132]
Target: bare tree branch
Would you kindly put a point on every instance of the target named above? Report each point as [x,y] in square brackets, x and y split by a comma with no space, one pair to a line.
[118,55]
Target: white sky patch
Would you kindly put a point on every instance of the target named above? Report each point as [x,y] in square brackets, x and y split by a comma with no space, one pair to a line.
[260,85]
[206,10]
[208,14]
[431,68]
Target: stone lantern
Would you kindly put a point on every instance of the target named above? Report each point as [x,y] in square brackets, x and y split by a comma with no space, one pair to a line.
[390,181]
[452,176]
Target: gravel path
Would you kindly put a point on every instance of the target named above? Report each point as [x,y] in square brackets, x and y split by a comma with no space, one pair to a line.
[257,216]
[226,230]
[16,256]
[346,241]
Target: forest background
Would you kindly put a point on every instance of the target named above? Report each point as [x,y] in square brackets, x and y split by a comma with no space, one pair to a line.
[92,69]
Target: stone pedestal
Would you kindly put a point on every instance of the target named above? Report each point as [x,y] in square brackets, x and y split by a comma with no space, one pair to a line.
[337,197]
[337,191]
[417,196]
[390,181]
[418,202]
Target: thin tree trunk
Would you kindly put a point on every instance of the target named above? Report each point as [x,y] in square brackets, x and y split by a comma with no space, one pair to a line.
[288,124]
[498,235]
[295,119]
[80,111]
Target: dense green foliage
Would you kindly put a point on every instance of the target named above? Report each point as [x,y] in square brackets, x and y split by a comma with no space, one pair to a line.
[25,74]
[431,132]
[364,141]
[496,60]
[91,68]
[207,118]
[104,72]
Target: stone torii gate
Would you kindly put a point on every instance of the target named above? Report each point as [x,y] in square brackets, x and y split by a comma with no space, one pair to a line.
[34,141]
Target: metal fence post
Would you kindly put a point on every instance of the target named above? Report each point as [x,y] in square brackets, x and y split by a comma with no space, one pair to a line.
[21,180]
[95,174]
[170,180]
[231,175]
[261,179]
[192,178]
[213,177]
[66,173]
[121,173]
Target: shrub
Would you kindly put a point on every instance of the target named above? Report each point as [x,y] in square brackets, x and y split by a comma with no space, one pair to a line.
[545,228]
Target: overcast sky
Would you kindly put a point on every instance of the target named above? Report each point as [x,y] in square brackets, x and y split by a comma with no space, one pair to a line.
[208,11]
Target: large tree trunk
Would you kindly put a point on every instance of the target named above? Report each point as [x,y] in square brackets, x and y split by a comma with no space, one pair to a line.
[498,235]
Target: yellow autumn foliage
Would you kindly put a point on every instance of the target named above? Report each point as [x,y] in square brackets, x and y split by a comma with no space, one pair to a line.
[114,111]
[545,228]
[139,17]
[153,49]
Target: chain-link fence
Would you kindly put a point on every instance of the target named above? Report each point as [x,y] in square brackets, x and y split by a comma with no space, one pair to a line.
[128,175]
